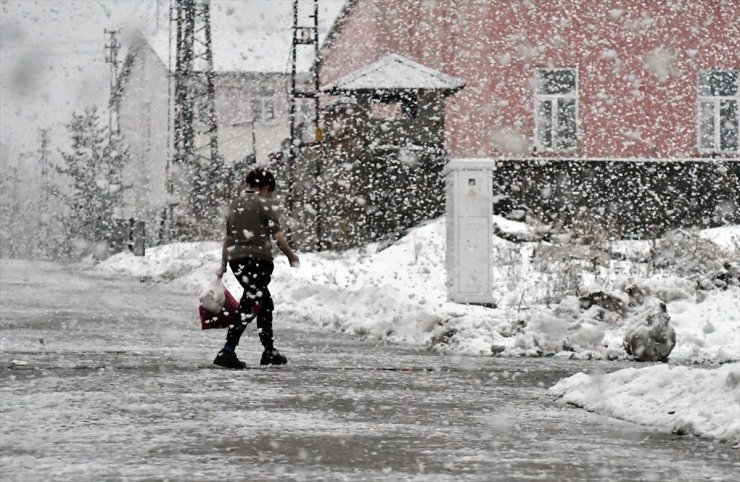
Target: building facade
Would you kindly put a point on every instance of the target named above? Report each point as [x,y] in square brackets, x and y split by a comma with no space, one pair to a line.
[251,47]
[621,115]
[251,114]
[571,79]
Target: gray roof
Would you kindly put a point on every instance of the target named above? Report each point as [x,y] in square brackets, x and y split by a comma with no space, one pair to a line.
[394,72]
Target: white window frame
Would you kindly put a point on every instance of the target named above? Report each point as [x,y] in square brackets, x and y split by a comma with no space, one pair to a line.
[386,111]
[264,100]
[715,100]
[538,98]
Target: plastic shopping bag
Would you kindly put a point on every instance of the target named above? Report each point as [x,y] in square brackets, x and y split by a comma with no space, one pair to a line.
[218,309]
[213,297]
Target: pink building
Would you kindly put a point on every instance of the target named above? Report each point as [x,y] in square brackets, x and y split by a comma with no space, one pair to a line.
[576,79]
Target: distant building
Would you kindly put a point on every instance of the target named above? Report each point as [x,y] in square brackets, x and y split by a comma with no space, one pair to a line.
[251,43]
[562,93]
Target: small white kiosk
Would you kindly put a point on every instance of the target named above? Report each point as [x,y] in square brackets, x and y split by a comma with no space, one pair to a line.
[469,257]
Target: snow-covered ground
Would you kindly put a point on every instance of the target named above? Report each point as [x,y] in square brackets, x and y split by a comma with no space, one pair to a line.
[680,399]
[398,293]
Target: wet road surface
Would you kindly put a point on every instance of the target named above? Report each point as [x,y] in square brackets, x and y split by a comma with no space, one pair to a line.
[111,379]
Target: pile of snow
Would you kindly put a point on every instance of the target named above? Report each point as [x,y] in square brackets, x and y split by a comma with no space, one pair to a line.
[398,294]
[707,331]
[171,262]
[679,399]
[726,237]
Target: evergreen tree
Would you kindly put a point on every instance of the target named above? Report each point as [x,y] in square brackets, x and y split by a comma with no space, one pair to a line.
[19,209]
[9,210]
[94,166]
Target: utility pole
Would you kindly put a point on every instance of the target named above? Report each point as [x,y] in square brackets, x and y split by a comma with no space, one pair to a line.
[166,232]
[305,36]
[291,112]
[111,57]
[44,154]
[45,188]
[205,55]
[184,18]
[254,140]
[197,164]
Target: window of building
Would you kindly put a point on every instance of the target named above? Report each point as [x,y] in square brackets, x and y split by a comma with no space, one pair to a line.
[718,110]
[556,109]
[400,106]
[386,110]
[262,107]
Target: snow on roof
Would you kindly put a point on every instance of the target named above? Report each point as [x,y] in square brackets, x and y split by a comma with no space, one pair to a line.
[394,72]
[249,35]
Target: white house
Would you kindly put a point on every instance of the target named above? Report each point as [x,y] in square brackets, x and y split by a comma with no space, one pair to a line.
[251,44]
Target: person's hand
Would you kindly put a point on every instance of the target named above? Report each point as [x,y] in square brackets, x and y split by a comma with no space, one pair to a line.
[221,271]
[294,261]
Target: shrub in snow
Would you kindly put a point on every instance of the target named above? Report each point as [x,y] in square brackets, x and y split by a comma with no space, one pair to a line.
[587,335]
[569,306]
[497,348]
[608,301]
[649,335]
[687,253]
[728,275]
[664,287]
[636,295]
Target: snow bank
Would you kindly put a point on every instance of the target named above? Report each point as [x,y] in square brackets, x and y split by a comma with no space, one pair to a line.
[727,237]
[395,293]
[709,330]
[679,399]
[398,294]
[165,263]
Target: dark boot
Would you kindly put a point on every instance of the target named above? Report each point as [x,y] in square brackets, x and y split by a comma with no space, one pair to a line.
[228,359]
[273,357]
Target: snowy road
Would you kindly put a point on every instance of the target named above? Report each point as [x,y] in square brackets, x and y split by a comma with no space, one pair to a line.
[105,379]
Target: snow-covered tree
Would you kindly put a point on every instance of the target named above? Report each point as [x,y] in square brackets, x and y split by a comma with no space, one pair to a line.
[94,167]
[9,210]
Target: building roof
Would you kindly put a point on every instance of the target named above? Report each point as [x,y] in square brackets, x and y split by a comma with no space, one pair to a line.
[247,35]
[394,72]
[336,28]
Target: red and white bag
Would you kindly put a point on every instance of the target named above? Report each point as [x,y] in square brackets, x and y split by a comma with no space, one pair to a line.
[218,309]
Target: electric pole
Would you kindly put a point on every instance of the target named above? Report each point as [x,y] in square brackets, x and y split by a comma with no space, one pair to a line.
[305,36]
[111,57]
[45,188]
[197,170]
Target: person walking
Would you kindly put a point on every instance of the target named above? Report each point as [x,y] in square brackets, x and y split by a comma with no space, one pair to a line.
[252,223]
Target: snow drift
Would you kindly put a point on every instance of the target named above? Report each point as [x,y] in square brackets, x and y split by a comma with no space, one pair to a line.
[679,399]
